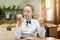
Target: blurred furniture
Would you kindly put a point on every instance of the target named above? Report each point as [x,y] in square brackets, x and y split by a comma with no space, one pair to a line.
[59,34]
[10,26]
[4,25]
[3,21]
[6,35]
[51,30]
[48,38]
[10,35]
[7,24]
[58,29]
[10,21]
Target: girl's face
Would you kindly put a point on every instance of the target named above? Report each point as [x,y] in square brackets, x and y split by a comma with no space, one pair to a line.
[27,12]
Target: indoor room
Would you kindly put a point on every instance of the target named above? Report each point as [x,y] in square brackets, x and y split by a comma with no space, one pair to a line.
[29,19]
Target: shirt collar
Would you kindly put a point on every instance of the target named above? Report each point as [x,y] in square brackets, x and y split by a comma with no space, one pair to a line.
[28,20]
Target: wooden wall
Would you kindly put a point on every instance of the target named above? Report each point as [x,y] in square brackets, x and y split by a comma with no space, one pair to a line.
[58,12]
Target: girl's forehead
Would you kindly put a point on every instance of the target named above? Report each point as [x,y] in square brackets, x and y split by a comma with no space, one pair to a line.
[27,7]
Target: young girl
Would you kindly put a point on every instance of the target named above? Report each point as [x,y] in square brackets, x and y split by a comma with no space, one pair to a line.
[28,27]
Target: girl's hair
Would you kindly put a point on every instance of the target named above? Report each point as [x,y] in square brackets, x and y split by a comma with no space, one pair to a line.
[31,7]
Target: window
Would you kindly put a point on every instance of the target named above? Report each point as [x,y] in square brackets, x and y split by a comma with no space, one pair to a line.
[48,10]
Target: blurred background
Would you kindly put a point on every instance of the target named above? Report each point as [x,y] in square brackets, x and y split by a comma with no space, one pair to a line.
[48,9]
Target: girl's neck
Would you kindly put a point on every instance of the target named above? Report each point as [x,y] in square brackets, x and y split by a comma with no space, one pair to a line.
[28,18]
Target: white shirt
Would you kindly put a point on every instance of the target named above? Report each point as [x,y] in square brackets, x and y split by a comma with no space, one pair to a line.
[30,30]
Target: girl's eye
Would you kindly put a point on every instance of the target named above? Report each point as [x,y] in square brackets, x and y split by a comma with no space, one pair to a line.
[28,11]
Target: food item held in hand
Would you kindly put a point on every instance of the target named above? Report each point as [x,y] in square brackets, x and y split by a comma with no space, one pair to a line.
[19,17]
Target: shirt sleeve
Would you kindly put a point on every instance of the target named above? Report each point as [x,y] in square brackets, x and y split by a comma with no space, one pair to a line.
[18,32]
[17,25]
[41,30]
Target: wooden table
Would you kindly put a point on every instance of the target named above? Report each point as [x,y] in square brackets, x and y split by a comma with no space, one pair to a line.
[49,38]
[59,33]
[51,31]
[58,29]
